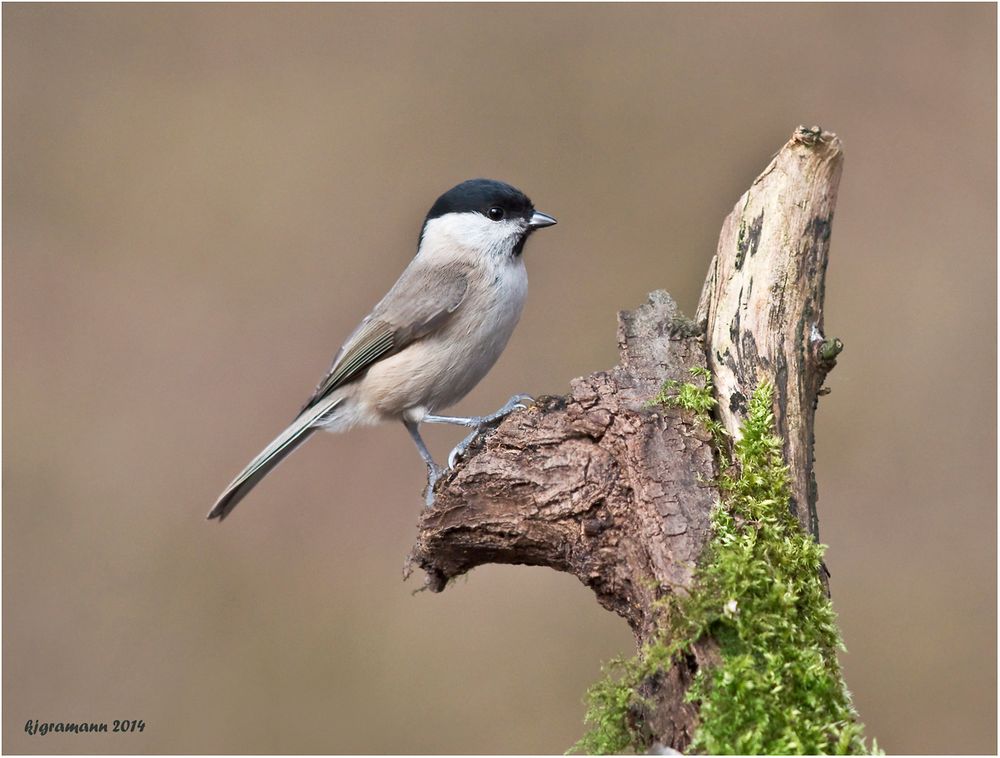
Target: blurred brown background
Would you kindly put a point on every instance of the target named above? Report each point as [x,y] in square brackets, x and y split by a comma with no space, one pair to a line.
[201,201]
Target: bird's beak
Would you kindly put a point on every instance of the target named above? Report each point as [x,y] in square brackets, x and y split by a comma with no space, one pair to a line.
[540,220]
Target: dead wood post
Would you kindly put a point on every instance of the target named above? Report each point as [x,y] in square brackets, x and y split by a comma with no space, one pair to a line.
[600,484]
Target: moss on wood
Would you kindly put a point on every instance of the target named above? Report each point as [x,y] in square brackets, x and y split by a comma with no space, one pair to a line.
[777,688]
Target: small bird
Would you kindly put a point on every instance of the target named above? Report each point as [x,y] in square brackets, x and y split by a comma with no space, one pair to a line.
[430,340]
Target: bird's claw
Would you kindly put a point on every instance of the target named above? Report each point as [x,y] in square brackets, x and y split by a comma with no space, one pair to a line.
[517,402]
[460,449]
[434,473]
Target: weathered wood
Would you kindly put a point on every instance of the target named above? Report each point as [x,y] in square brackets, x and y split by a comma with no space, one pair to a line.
[600,484]
[595,483]
[762,305]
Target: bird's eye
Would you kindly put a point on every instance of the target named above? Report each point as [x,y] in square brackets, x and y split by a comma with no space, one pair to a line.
[495,213]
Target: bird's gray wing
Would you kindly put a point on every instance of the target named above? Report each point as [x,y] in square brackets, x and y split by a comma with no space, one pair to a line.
[419,303]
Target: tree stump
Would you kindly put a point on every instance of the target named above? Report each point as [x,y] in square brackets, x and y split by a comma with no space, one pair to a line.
[603,485]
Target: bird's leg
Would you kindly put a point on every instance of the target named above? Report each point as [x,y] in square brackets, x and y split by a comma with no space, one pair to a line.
[478,423]
[433,470]
[515,403]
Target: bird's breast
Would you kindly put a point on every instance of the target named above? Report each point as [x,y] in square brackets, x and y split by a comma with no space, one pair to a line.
[439,370]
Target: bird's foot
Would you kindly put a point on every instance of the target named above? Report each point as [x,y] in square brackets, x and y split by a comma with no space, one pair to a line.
[434,473]
[516,403]
[478,423]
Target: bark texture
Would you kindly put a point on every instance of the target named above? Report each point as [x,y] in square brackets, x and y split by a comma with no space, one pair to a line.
[601,484]
[762,304]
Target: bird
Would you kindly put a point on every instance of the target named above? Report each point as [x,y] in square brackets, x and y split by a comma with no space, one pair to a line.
[431,339]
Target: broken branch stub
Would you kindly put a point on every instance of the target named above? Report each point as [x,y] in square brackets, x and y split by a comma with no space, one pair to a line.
[762,304]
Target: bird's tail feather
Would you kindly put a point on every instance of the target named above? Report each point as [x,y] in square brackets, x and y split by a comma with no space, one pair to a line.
[282,445]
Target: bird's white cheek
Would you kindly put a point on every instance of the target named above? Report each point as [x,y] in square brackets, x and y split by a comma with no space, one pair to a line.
[457,235]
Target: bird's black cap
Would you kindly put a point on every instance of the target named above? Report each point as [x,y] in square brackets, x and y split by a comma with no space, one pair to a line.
[479,195]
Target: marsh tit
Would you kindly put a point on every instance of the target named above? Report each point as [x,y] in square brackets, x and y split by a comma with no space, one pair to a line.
[431,339]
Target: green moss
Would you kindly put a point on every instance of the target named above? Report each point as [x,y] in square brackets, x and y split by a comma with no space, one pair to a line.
[608,703]
[778,687]
[699,400]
